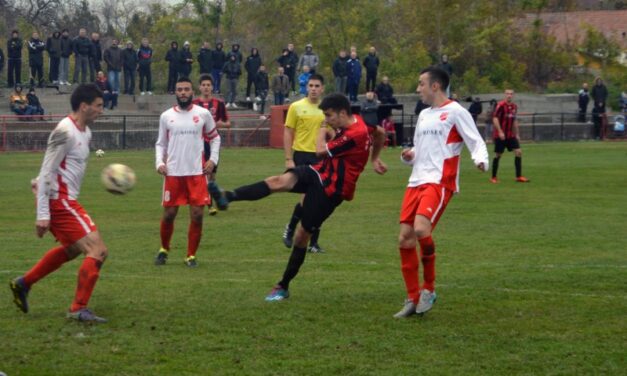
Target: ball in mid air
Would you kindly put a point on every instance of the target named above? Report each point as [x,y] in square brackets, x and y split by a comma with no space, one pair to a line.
[118,178]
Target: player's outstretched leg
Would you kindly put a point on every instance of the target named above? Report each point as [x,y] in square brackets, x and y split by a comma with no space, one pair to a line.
[216,196]
[495,169]
[297,258]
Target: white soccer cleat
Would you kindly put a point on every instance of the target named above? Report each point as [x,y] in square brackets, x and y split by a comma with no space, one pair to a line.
[409,308]
[427,299]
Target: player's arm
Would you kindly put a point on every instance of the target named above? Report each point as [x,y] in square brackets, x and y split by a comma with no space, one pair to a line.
[473,140]
[58,146]
[378,136]
[224,120]
[288,140]
[161,147]
[516,129]
[497,123]
[211,133]
[324,134]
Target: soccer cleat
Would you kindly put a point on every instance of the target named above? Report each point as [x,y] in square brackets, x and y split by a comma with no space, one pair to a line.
[494,180]
[409,308]
[277,293]
[222,201]
[213,211]
[162,256]
[85,315]
[288,236]
[522,179]
[427,299]
[315,248]
[20,293]
[190,261]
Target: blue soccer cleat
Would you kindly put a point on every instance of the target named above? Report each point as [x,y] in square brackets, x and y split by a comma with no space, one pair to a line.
[20,293]
[277,293]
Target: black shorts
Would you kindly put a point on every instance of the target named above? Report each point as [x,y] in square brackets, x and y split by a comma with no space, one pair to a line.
[305,158]
[509,143]
[317,206]
[208,154]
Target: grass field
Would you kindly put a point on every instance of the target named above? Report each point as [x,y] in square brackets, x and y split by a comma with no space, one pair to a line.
[531,277]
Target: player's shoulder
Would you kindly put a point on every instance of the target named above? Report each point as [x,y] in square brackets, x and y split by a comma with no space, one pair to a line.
[199,109]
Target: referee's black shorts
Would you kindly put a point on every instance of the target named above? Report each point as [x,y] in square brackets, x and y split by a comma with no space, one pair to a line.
[317,206]
[302,158]
[509,143]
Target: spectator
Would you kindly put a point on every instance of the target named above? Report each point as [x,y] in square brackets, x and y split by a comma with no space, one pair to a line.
[186,60]
[204,58]
[488,120]
[95,57]
[353,67]
[583,100]
[371,63]
[303,79]
[109,97]
[1,60]
[390,130]
[370,110]
[340,72]
[310,59]
[385,92]
[36,49]
[144,61]
[218,58]
[113,58]
[232,71]
[53,46]
[280,86]
[64,61]
[253,62]
[448,68]
[82,48]
[622,100]
[129,64]
[172,57]
[34,103]
[261,86]
[599,94]
[475,109]
[290,71]
[18,102]
[236,52]
[14,56]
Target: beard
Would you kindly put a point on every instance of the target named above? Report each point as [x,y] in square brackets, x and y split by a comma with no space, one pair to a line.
[184,104]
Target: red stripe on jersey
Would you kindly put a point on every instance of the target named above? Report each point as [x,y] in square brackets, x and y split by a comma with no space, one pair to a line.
[449,173]
[454,136]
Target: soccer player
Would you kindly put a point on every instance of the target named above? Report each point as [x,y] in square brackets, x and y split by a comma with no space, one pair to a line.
[221,118]
[58,211]
[506,135]
[179,158]
[440,133]
[326,184]
[302,124]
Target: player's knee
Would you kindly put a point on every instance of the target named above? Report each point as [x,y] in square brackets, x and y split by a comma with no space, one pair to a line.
[196,216]
[497,156]
[406,242]
[518,153]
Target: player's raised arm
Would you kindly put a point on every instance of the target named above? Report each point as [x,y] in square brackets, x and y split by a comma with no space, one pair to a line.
[58,146]
[324,134]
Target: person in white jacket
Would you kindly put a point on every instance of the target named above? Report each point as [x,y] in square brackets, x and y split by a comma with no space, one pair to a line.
[440,133]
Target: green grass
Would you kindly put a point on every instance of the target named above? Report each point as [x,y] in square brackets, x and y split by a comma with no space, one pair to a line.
[531,277]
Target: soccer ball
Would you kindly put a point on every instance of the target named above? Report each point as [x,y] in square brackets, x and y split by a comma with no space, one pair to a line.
[99,153]
[118,178]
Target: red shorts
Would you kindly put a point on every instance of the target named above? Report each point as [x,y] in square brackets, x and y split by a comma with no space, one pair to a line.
[69,222]
[185,190]
[428,200]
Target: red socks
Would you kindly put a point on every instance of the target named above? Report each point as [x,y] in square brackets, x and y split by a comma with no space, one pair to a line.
[167,228]
[409,268]
[427,256]
[87,277]
[52,260]
[193,237]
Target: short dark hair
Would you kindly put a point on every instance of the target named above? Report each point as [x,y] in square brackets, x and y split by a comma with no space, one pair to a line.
[183,79]
[205,77]
[84,93]
[438,75]
[336,102]
[317,77]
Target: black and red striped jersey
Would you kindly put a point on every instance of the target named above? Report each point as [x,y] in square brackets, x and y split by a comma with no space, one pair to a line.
[215,106]
[506,113]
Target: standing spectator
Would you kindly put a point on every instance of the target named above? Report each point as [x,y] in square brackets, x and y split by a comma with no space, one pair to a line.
[303,79]
[385,91]
[113,58]
[353,66]
[144,61]
[186,60]
[488,119]
[235,52]
[172,57]
[82,48]
[95,57]
[310,59]
[475,109]
[370,110]
[14,55]
[253,62]
[36,48]
[232,70]
[448,68]
[53,46]
[507,135]
[583,100]
[340,72]
[280,86]
[64,61]
[1,60]
[34,103]
[292,63]
[204,58]
[262,86]
[371,63]
[110,100]
[129,64]
[599,94]
[218,58]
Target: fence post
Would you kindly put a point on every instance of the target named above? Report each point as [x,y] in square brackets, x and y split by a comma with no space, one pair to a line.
[124,132]
[562,125]
[533,126]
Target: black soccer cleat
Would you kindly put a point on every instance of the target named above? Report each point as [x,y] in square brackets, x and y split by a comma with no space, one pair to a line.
[20,293]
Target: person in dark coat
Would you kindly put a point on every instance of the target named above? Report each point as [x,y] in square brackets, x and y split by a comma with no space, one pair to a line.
[82,48]
[218,58]
[599,94]
[448,68]
[1,60]
[64,62]
[252,64]
[144,62]
[113,58]
[204,58]
[33,101]
[262,86]
[36,48]
[385,92]
[14,57]
[172,57]
[583,100]
[290,68]
[340,73]
[232,70]
[129,65]
[235,51]
[95,58]
[53,46]
[353,67]
[475,109]
[186,59]
[371,63]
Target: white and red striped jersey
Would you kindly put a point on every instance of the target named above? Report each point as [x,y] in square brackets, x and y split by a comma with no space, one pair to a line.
[64,165]
[438,139]
[180,145]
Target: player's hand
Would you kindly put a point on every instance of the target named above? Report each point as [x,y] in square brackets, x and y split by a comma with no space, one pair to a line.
[42,226]
[379,166]
[407,154]
[33,186]
[481,167]
[163,170]
[208,168]
[289,164]
[501,135]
